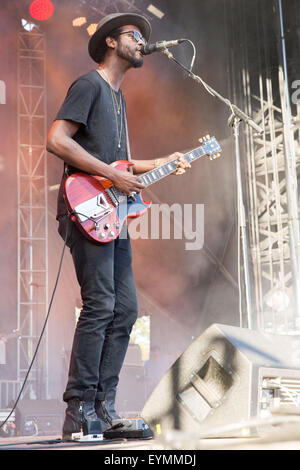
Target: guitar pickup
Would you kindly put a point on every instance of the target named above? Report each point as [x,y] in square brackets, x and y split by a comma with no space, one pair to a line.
[113,196]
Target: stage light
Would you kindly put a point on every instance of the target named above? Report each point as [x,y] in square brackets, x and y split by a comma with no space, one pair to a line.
[41,10]
[27,26]
[155,11]
[2,92]
[2,165]
[79,21]
[92,29]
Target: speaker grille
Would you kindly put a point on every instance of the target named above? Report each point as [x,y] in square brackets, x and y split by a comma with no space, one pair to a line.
[216,379]
[206,389]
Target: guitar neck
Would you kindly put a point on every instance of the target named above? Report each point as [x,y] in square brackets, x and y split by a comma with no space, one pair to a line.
[168,168]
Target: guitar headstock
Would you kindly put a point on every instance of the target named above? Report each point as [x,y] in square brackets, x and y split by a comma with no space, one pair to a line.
[210,146]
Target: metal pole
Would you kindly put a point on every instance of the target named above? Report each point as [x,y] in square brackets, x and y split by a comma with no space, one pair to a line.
[242,232]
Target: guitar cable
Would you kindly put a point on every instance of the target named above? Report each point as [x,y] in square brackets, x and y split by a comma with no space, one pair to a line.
[73,214]
[41,334]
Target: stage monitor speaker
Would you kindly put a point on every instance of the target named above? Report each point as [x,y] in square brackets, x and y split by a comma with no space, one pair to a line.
[227,375]
[39,417]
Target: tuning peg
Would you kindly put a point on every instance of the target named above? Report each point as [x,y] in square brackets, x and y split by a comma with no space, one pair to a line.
[208,137]
[215,155]
[204,139]
[200,140]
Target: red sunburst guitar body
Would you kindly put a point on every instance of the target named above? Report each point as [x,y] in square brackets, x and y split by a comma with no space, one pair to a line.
[100,209]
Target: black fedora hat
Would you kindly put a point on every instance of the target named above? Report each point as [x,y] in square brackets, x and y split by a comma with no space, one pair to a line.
[97,44]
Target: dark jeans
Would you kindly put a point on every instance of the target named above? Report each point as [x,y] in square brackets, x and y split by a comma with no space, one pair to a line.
[109,310]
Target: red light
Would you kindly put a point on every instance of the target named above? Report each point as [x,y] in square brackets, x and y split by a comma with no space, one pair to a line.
[41,10]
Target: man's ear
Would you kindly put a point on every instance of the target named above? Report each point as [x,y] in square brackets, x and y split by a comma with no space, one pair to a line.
[111,42]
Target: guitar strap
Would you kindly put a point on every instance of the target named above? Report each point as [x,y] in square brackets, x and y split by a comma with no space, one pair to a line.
[127,139]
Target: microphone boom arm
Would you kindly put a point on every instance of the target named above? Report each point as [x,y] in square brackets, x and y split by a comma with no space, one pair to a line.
[236,112]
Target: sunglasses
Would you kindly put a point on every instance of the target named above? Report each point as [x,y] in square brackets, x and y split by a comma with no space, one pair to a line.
[136,35]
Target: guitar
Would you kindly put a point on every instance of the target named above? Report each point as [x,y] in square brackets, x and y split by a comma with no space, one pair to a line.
[100,209]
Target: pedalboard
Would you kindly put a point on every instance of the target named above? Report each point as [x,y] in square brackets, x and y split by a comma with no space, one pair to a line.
[128,428]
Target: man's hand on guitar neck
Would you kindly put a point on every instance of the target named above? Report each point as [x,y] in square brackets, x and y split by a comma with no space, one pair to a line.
[181,163]
[142,166]
[129,183]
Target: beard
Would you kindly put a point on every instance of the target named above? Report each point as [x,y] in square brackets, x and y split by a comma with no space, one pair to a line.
[124,52]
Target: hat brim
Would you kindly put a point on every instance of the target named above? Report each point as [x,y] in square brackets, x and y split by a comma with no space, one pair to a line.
[97,44]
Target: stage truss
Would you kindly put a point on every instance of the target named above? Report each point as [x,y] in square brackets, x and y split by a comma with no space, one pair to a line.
[32,212]
[271,161]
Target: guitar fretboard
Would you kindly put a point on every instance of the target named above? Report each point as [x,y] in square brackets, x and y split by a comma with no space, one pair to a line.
[168,168]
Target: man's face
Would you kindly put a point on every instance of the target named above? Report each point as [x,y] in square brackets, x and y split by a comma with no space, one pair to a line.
[128,47]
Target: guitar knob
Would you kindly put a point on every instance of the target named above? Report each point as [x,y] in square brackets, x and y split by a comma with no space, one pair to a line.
[111,233]
[102,235]
[106,226]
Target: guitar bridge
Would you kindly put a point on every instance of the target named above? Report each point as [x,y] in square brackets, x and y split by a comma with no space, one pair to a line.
[94,208]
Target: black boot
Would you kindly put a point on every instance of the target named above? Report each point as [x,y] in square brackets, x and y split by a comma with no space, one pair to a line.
[81,416]
[113,425]
[105,409]
[110,398]
[106,420]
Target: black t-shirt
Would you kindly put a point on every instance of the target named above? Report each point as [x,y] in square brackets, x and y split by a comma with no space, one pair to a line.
[89,101]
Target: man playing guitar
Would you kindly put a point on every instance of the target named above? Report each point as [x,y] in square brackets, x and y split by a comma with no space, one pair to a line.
[89,134]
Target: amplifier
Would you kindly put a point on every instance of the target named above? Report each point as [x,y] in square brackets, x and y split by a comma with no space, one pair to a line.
[39,417]
[9,427]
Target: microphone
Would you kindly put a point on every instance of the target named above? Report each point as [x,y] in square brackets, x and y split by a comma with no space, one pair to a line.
[159,45]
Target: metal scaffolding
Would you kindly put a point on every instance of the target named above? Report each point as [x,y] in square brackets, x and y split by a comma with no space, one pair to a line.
[32,212]
[270,163]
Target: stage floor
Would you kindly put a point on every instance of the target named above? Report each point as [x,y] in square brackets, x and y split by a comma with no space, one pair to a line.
[285,438]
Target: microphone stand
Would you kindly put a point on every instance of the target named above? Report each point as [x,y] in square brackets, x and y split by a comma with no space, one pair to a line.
[237,116]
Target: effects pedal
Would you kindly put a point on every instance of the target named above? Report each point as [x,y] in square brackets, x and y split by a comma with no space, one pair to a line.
[80,437]
[91,432]
[128,428]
